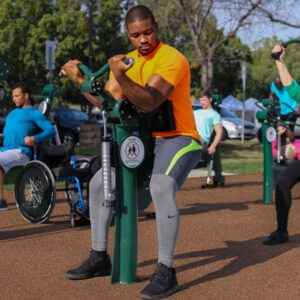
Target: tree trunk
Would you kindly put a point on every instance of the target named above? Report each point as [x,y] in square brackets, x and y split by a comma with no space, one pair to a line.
[207,73]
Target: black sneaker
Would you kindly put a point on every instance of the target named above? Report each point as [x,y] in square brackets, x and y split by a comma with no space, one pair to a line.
[276,238]
[219,183]
[163,283]
[3,204]
[94,266]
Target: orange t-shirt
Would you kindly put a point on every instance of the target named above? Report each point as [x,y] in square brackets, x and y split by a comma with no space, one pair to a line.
[171,65]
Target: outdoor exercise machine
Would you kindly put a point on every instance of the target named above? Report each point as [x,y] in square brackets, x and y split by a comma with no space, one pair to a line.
[269,120]
[131,149]
[276,55]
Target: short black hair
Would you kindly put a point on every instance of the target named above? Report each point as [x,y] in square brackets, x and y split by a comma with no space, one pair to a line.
[23,86]
[139,13]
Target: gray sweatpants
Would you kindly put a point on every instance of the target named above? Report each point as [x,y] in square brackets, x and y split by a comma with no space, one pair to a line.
[174,158]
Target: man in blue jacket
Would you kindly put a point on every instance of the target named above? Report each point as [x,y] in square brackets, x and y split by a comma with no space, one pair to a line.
[24,126]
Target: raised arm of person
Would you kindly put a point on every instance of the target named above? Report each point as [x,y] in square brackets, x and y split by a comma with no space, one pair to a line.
[287,80]
[145,98]
[285,76]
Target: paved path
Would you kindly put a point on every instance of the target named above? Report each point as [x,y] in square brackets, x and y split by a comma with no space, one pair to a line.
[219,254]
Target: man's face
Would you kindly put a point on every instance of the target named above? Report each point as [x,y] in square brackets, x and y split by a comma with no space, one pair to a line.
[19,98]
[205,102]
[143,36]
[278,85]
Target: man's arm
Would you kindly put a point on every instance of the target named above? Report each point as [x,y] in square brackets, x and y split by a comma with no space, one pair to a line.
[71,70]
[48,130]
[145,98]
[217,139]
[286,78]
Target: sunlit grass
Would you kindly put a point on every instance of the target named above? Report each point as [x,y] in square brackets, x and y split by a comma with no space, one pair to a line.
[242,158]
[237,157]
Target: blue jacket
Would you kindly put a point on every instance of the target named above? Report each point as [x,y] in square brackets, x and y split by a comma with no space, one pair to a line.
[22,122]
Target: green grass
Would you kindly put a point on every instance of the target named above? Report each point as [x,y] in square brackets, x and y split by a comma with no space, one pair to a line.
[88,151]
[242,158]
[237,157]
[9,180]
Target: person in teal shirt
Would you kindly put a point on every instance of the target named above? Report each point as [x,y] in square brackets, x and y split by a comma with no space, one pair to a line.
[209,125]
[287,104]
[208,120]
[24,126]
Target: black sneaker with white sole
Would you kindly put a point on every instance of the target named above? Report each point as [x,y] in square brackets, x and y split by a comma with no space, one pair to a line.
[163,283]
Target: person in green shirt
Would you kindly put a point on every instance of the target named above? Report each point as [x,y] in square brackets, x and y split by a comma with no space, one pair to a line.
[291,175]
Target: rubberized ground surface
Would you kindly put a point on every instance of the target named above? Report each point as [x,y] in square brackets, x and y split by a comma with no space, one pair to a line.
[219,253]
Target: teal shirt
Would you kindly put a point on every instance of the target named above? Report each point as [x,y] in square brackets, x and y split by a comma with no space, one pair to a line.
[287,103]
[206,119]
[22,122]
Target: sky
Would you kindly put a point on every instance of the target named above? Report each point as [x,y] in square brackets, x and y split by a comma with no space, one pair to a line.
[259,25]
[268,29]
[263,27]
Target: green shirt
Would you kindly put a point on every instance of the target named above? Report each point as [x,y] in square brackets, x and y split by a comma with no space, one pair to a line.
[294,91]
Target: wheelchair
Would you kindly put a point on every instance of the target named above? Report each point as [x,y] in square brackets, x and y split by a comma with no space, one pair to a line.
[35,183]
[53,162]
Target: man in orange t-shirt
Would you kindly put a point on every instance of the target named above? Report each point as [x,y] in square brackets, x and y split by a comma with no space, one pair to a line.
[159,73]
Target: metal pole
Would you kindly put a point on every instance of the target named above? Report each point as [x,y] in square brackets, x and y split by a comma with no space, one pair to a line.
[244,75]
[90,30]
[90,47]
[268,162]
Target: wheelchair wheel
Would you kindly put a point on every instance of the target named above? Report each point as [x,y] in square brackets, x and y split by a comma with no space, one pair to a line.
[35,192]
[73,194]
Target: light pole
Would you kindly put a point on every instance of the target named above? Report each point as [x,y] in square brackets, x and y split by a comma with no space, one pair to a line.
[90,34]
[89,5]
[244,75]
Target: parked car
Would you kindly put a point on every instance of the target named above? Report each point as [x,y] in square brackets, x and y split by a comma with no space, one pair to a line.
[232,124]
[97,117]
[68,122]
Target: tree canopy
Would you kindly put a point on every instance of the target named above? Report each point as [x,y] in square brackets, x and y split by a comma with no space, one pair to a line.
[92,31]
